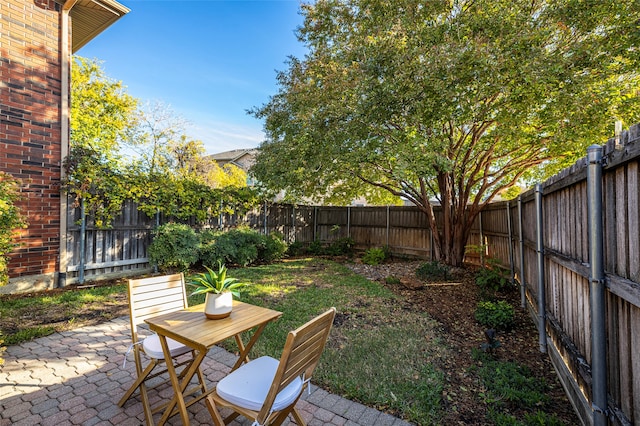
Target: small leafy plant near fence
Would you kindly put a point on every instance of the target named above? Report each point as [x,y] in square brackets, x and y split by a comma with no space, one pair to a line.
[375,255]
[492,279]
[497,315]
[433,271]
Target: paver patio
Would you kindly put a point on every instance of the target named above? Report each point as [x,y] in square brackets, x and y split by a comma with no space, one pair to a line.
[77,377]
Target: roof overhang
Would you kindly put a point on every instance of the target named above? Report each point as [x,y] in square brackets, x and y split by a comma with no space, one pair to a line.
[90,17]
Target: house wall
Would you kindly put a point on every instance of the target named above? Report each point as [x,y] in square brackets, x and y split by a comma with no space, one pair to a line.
[30,130]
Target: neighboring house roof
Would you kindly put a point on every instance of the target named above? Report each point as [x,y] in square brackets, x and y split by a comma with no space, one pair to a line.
[243,158]
[91,17]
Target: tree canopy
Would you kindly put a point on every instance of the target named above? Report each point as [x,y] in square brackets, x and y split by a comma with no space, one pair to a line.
[122,151]
[446,101]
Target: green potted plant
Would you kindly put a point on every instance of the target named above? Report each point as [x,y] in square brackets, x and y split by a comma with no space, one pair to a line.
[219,290]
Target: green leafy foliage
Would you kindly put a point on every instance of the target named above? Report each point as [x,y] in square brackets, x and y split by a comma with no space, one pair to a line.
[497,315]
[509,384]
[433,271]
[341,247]
[392,280]
[215,282]
[492,279]
[457,101]
[338,247]
[241,246]
[10,220]
[296,248]
[274,248]
[374,256]
[174,247]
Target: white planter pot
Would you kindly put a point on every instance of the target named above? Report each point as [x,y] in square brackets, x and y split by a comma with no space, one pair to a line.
[218,306]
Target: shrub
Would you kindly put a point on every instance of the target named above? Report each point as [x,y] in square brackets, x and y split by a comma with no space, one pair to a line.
[498,315]
[208,251]
[174,247]
[241,246]
[492,278]
[10,220]
[296,248]
[392,280]
[341,247]
[274,248]
[316,248]
[434,270]
[374,256]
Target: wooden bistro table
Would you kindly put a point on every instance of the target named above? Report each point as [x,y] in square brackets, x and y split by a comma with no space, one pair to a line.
[192,328]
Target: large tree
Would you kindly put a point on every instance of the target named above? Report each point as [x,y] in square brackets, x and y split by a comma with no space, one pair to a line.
[102,114]
[453,101]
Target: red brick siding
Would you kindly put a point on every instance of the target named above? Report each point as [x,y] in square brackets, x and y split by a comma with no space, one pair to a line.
[30,131]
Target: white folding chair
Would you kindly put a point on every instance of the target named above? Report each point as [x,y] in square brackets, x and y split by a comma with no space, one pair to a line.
[266,390]
[149,297]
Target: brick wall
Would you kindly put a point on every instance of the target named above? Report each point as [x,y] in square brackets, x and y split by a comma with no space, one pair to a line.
[30,131]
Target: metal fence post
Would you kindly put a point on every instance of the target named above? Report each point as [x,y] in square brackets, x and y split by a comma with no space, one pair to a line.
[83,239]
[482,246]
[388,224]
[596,261]
[542,306]
[510,228]
[523,290]
[264,216]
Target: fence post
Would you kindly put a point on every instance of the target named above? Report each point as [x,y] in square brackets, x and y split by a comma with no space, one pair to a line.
[523,296]
[315,223]
[83,240]
[293,222]
[349,222]
[482,247]
[510,228]
[264,218]
[542,306]
[388,224]
[596,260]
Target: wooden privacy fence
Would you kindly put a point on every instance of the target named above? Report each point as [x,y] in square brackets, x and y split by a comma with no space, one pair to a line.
[574,246]
[122,249]
[585,300]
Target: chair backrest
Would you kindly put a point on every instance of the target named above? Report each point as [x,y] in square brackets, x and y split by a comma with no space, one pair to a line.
[153,296]
[300,356]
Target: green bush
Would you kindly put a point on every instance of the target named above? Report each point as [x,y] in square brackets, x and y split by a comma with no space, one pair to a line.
[316,248]
[10,220]
[241,246]
[174,247]
[296,248]
[498,315]
[208,251]
[392,280]
[432,271]
[274,248]
[341,247]
[492,278]
[374,256]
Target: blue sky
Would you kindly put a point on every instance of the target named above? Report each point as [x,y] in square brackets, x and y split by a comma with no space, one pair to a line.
[208,60]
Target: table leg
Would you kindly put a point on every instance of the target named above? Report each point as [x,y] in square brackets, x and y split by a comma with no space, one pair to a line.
[244,350]
[179,387]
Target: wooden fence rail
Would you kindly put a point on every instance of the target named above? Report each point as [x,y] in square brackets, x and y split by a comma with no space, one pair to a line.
[551,263]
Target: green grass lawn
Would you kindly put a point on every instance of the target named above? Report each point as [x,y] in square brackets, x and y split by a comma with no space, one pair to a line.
[379,353]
